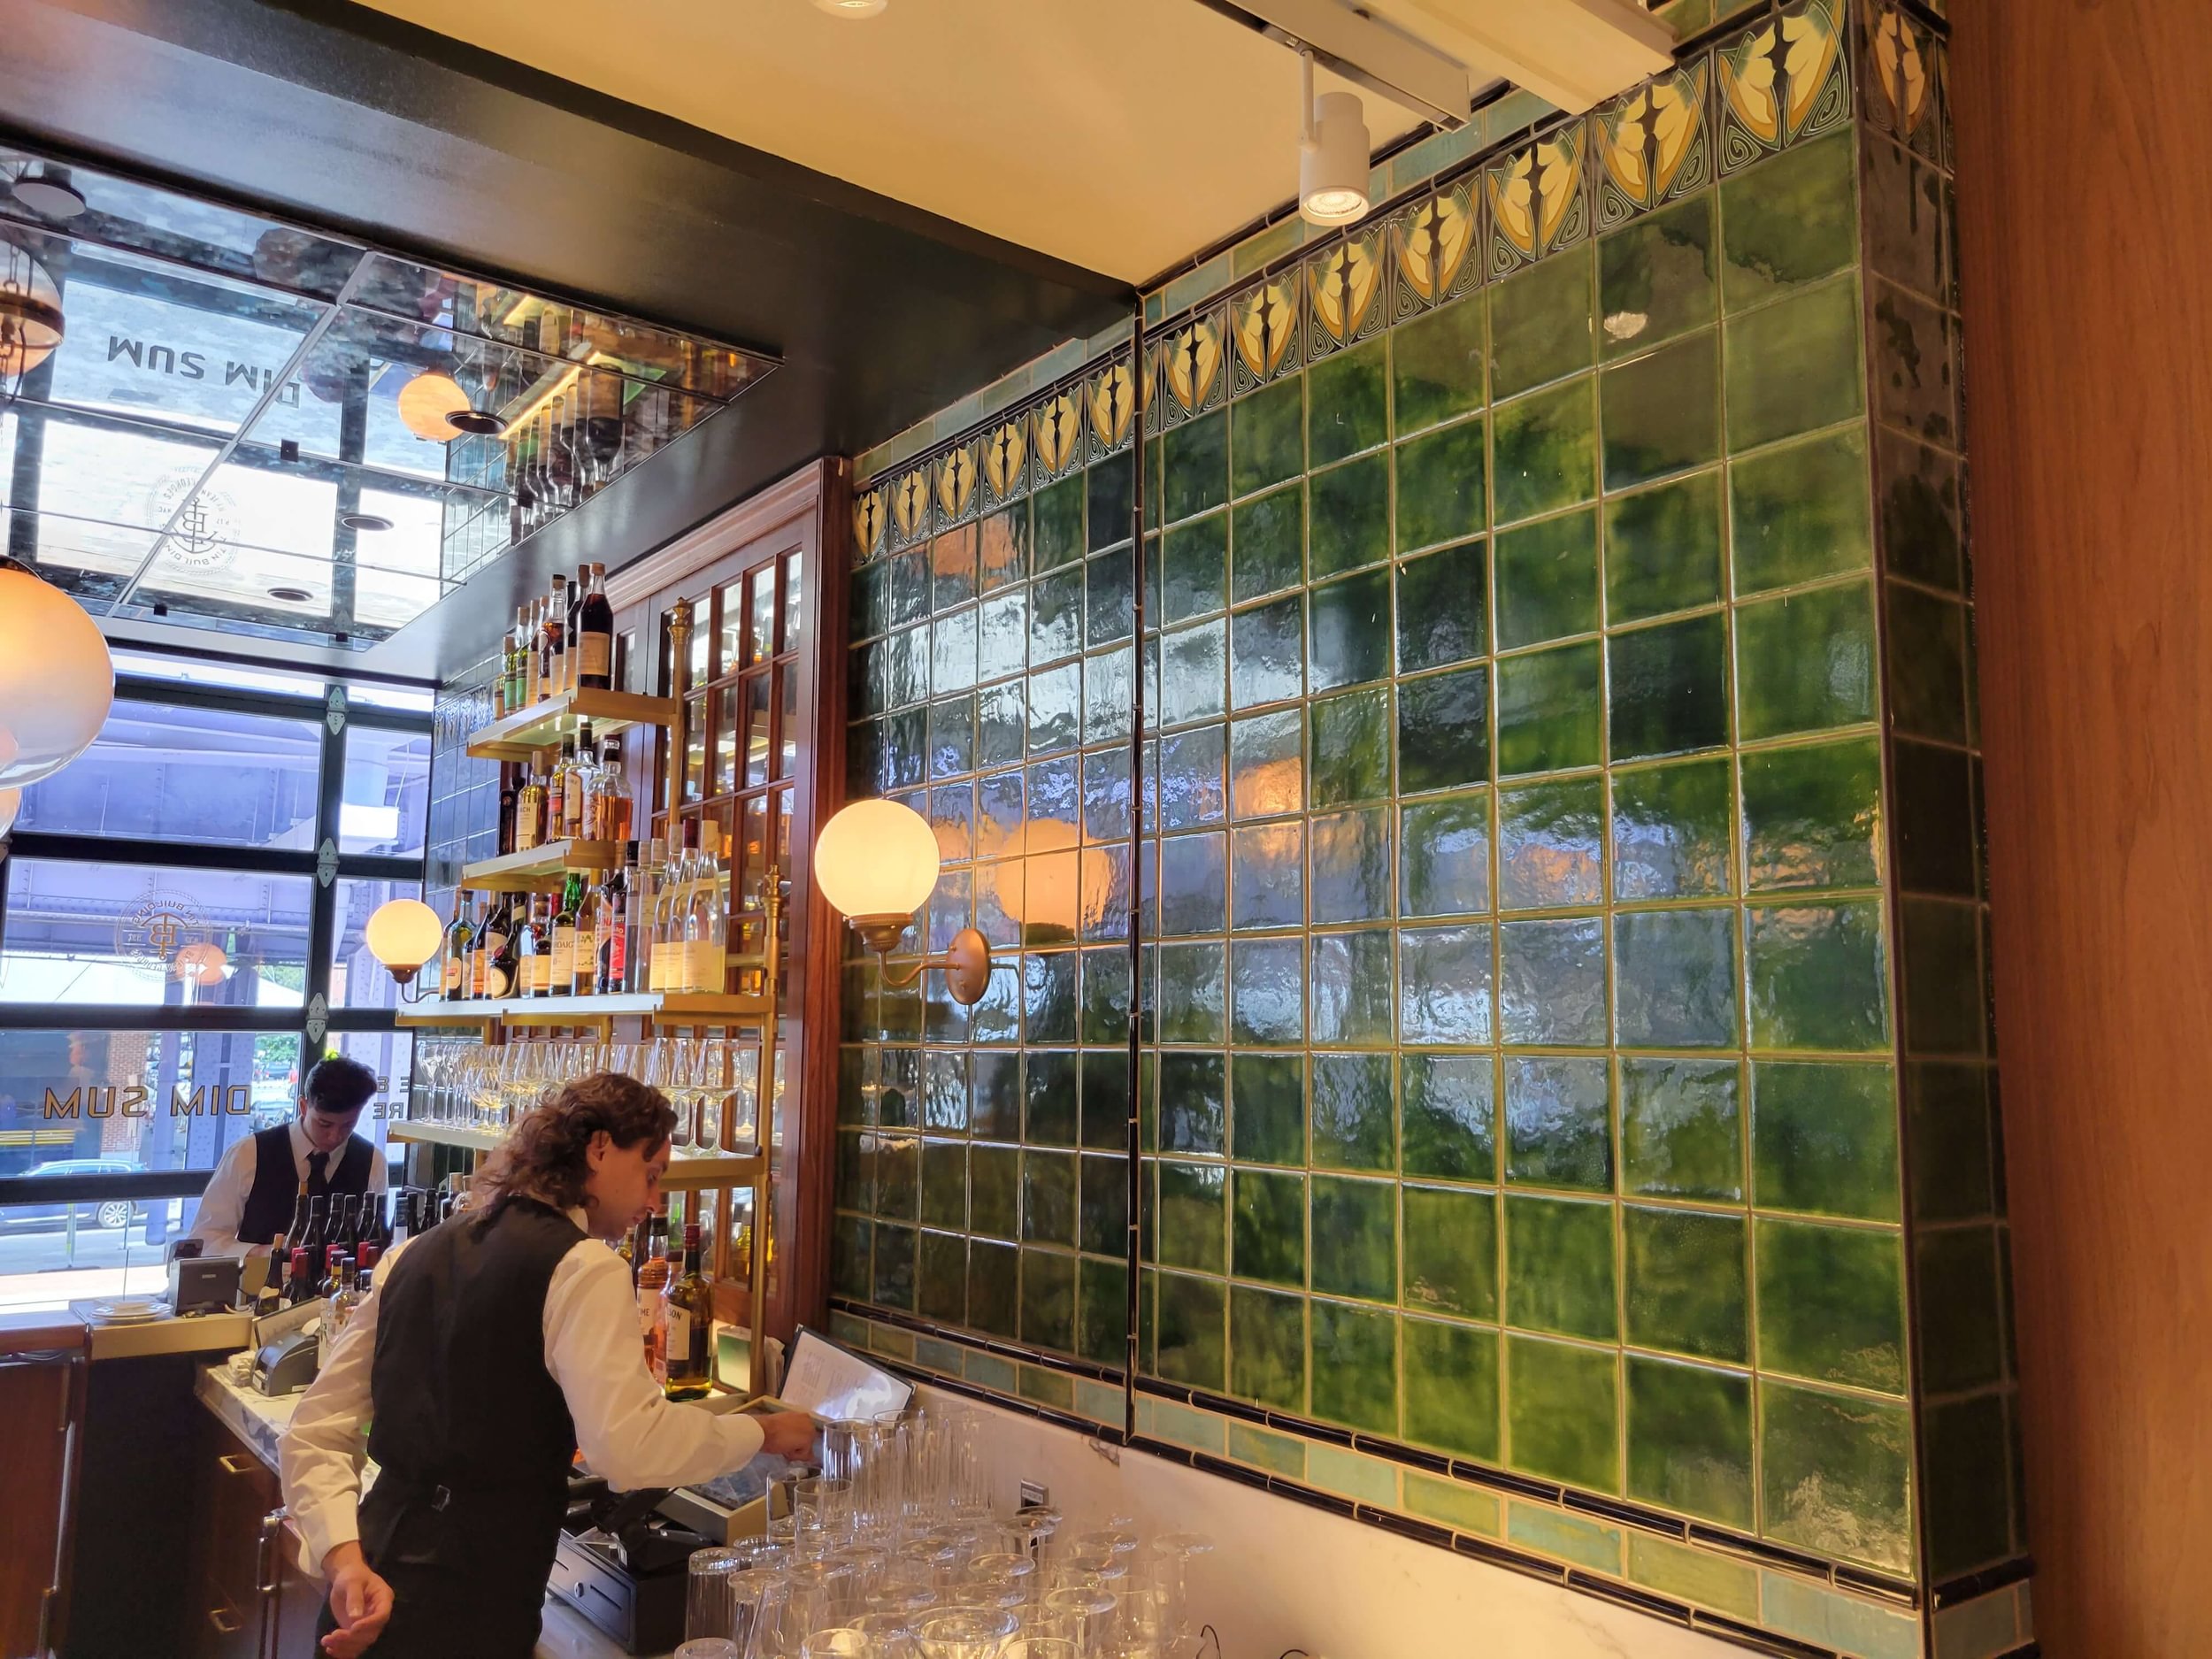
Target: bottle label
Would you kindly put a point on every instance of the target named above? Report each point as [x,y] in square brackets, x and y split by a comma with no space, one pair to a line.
[539,973]
[450,982]
[678,1340]
[657,967]
[562,969]
[596,658]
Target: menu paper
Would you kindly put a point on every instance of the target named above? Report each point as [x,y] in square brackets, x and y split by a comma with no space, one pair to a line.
[836,1385]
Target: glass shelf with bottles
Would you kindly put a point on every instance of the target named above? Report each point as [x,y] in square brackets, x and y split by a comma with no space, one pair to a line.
[557,676]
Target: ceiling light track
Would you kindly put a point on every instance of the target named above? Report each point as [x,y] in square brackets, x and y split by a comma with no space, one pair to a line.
[1366,50]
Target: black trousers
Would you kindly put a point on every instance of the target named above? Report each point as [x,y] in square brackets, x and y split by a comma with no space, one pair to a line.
[440,1612]
[468,1568]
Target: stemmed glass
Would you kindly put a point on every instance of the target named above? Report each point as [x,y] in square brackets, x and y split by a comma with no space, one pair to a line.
[709,1073]
[1174,1552]
[966,1632]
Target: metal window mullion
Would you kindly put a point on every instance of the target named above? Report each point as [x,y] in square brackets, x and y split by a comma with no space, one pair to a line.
[116,849]
[322,900]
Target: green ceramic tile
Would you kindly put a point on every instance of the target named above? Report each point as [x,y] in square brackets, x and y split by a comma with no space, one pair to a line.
[1927,651]
[1551,844]
[1048,1387]
[1443,607]
[1277,1454]
[1805,661]
[1661,413]
[1445,856]
[1568,1538]
[1192,1216]
[1351,515]
[1698,1576]
[1540,323]
[1109,500]
[945,1184]
[1348,981]
[1267,436]
[898,1176]
[1788,222]
[1443,736]
[1563,1412]
[1356,1381]
[1689,1438]
[1681,1128]
[1049,1198]
[1441,495]
[1189,994]
[1547,580]
[1911,343]
[1447,1116]
[1834,1475]
[1551,984]
[1059,523]
[1355,1228]
[1903,215]
[1545,451]
[1559,1267]
[1686,1285]
[1655,278]
[1103,1204]
[1918,496]
[1969,1524]
[942,1276]
[1050,1107]
[1947,1116]
[1350,858]
[1347,403]
[1943,1005]
[1193,671]
[1267,764]
[1662,549]
[1269,1225]
[1669,688]
[1550,713]
[1190,1103]
[1194,575]
[1832,1304]
[1048,1307]
[852,1243]
[1197,459]
[1812,815]
[1349,631]
[1675,978]
[1103,1321]
[1268,544]
[1934,828]
[1558,1121]
[1056,616]
[994,1288]
[1672,830]
[1801,512]
[1960,1326]
[1463,1507]
[1351,749]
[1817,977]
[1824,1139]
[1190,1324]
[1451,1251]
[1451,1387]
[1267,993]
[1267,886]
[1267,648]
[994,1189]
[1437,365]
[1267,1363]
[1268,1108]
[1194,871]
[1793,366]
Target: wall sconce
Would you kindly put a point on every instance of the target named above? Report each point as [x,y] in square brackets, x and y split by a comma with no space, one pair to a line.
[402,934]
[876,863]
[57,680]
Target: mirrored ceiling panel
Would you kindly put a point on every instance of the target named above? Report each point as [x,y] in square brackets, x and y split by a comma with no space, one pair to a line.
[259,428]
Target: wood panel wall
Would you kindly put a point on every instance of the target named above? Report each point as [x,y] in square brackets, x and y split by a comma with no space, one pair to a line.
[2085,243]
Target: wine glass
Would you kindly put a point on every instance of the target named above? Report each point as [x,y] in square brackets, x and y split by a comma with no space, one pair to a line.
[708,1074]
[1174,1552]
[966,1632]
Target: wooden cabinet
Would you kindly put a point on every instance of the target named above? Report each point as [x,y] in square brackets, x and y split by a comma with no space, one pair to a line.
[39,1403]
[293,1601]
[233,1547]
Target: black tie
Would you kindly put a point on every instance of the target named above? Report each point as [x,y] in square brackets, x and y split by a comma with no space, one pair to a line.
[317,1183]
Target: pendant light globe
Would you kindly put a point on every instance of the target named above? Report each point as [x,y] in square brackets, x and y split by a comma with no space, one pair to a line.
[57,680]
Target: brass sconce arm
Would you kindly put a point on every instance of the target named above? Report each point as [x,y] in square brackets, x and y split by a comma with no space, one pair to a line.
[966,964]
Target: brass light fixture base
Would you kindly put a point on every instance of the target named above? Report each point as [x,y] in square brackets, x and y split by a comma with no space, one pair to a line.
[966,964]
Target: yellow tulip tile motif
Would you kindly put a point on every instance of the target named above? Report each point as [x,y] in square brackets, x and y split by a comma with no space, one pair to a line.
[1653,143]
[1006,460]
[1263,324]
[954,477]
[910,507]
[1110,398]
[1430,242]
[1786,78]
[1345,284]
[1536,200]
[1192,364]
[1056,429]
[870,517]
[1900,72]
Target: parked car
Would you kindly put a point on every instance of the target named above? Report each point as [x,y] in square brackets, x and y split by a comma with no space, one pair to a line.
[91,1212]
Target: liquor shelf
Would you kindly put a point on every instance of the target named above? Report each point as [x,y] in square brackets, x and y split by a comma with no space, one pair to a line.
[715,1171]
[527,732]
[660,1007]
[539,869]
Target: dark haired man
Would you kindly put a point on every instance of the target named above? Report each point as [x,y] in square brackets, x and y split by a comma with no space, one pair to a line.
[250,1197]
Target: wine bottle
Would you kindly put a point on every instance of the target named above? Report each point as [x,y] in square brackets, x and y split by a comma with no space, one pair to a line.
[576,586]
[567,957]
[690,1308]
[270,1298]
[509,813]
[497,948]
[535,947]
[316,1235]
[299,1280]
[450,982]
[614,924]
[594,655]
[530,811]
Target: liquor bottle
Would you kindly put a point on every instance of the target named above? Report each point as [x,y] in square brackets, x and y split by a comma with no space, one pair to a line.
[595,656]
[576,756]
[495,949]
[613,795]
[509,812]
[565,955]
[652,1315]
[518,662]
[450,982]
[668,912]
[689,1301]
[645,887]
[535,947]
[541,666]
[299,1282]
[706,953]
[554,635]
[614,925]
[347,1298]
[576,586]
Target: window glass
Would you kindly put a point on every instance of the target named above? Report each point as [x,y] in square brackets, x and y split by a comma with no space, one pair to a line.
[53,1254]
[388,1054]
[162,772]
[146,936]
[387,798]
[192,671]
[399,697]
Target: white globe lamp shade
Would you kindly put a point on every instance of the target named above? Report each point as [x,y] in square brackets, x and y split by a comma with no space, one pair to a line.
[427,401]
[402,934]
[10,803]
[876,863]
[201,964]
[55,678]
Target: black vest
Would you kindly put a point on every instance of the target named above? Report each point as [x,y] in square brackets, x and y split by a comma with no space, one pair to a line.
[276,1184]
[470,1435]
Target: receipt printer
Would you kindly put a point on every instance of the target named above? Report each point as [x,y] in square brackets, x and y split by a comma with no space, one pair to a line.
[288,1363]
[203,1284]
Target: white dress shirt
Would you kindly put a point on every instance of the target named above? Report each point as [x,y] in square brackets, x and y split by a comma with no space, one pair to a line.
[630,1434]
[223,1204]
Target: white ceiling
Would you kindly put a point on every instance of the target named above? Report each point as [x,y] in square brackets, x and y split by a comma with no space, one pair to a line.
[1122,135]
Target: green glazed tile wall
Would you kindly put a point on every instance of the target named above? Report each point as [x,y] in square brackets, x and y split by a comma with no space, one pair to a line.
[1566,1036]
